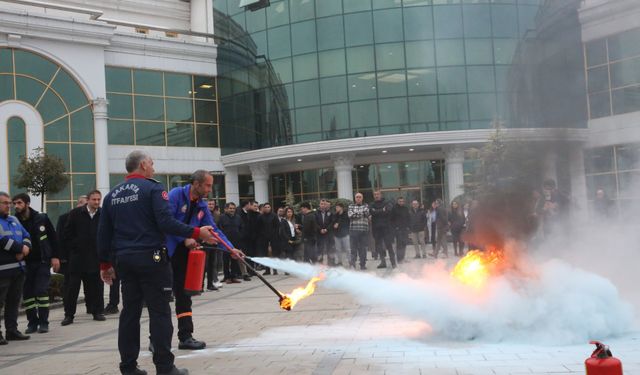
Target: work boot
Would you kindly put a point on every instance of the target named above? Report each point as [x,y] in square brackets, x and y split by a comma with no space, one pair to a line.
[382,265]
[2,340]
[246,278]
[44,328]
[135,371]
[31,329]
[275,272]
[267,272]
[212,287]
[16,335]
[191,344]
[175,371]
[66,321]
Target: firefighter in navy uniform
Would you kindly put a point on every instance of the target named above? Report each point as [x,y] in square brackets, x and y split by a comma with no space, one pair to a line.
[188,206]
[43,256]
[15,244]
[135,219]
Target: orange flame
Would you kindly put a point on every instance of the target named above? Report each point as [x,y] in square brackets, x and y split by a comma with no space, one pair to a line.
[477,266]
[289,300]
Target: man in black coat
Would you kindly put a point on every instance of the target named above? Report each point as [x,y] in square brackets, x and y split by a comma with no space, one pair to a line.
[309,232]
[80,234]
[63,248]
[324,243]
[380,211]
[400,221]
[232,227]
[249,217]
[267,229]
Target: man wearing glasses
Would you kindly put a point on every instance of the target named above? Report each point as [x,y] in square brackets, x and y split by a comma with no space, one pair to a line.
[15,244]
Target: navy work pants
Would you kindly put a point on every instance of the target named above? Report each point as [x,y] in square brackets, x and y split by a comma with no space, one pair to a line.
[143,279]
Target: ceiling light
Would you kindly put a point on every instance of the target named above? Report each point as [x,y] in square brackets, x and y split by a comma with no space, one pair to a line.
[299,159]
[205,86]
[411,149]
[362,166]
[384,151]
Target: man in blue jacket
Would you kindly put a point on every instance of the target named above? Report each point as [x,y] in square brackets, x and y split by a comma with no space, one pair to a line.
[188,206]
[134,221]
[15,244]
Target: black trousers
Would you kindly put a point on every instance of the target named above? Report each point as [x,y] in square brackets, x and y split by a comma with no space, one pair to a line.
[183,300]
[36,293]
[114,293]
[92,289]
[310,250]
[359,244]
[10,296]
[144,280]
[384,240]
[433,235]
[214,258]
[231,268]
[402,237]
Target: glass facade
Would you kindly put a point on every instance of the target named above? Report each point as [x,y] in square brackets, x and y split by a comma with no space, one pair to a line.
[422,180]
[161,109]
[350,68]
[66,113]
[616,170]
[613,74]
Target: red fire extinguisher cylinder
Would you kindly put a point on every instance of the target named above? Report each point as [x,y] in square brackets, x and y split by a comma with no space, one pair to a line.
[602,362]
[195,272]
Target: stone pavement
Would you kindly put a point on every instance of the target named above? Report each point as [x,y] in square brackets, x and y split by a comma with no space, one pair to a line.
[328,333]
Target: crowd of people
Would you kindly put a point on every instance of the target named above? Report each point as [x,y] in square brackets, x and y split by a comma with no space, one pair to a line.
[342,234]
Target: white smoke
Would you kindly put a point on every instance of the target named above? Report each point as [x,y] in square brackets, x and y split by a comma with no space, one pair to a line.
[560,304]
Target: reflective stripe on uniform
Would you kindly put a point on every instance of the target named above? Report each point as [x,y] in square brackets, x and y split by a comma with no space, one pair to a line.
[43,238]
[8,245]
[26,240]
[184,314]
[11,266]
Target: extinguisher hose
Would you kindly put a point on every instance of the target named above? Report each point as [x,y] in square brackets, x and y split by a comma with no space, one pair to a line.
[242,259]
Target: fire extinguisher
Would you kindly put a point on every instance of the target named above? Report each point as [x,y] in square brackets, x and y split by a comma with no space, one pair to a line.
[602,362]
[195,272]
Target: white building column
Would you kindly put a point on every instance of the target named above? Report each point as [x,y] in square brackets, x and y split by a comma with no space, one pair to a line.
[550,165]
[260,176]
[579,198]
[102,144]
[343,164]
[231,187]
[202,16]
[454,159]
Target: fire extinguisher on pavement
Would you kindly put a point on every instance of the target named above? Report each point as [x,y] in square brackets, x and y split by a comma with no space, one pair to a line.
[602,362]
[195,272]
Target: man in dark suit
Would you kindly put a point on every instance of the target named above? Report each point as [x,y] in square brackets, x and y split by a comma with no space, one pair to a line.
[325,237]
[80,233]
